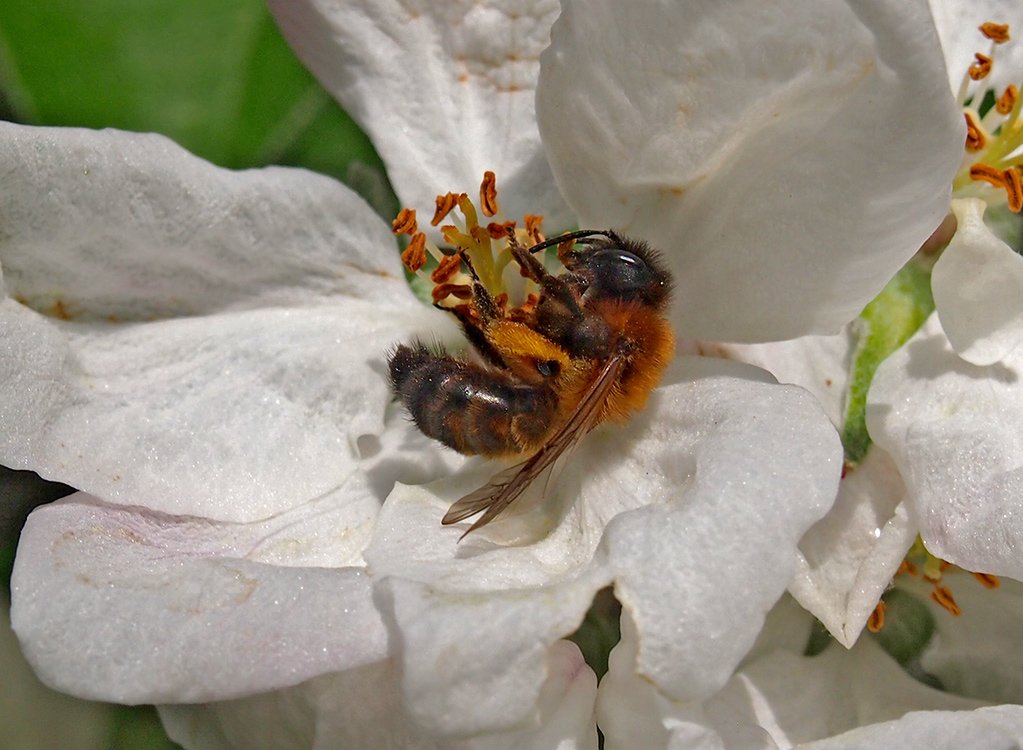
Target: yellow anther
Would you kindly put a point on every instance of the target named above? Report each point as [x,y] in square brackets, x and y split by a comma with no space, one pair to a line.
[405,222]
[488,194]
[414,256]
[876,620]
[1007,100]
[943,596]
[996,32]
[980,67]
[445,204]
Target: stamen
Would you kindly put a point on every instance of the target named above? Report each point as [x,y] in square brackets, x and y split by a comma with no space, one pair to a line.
[446,269]
[943,596]
[907,568]
[1007,100]
[500,231]
[445,204]
[459,291]
[405,222]
[414,256]
[987,580]
[534,224]
[1014,188]
[996,32]
[876,620]
[488,194]
[975,138]
[988,174]
[981,67]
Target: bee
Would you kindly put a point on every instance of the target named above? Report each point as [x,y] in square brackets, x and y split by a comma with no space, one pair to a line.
[588,348]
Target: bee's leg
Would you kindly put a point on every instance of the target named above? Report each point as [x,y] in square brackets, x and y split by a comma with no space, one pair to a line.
[553,286]
[477,337]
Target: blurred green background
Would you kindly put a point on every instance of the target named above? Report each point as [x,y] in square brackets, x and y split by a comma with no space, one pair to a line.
[216,76]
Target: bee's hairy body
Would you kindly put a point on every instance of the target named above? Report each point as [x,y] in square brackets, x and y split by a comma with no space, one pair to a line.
[533,371]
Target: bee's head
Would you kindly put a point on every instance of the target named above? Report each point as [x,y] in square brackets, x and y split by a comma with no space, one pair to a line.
[621,268]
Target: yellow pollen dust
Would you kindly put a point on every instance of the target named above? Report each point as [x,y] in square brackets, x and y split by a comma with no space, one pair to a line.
[994,141]
[472,251]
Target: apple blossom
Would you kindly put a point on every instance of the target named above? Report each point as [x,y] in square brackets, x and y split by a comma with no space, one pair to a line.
[200,353]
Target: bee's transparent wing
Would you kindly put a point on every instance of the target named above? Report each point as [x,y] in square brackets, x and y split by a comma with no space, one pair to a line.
[505,486]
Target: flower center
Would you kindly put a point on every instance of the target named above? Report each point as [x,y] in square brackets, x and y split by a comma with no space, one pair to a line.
[921,564]
[994,139]
[475,251]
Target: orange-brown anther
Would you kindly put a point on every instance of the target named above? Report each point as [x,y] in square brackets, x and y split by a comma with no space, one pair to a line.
[876,620]
[488,194]
[1007,100]
[460,291]
[534,224]
[405,222]
[975,139]
[943,596]
[500,231]
[414,256]
[447,268]
[996,32]
[907,568]
[980,67]
[988,174]
[1014,188]
[445,203]
[987,580]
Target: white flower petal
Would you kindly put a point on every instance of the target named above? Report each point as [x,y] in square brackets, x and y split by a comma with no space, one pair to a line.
[848,558]
[742,470]
[361,709]
[723,473]
[778,700]
[746,142]
[953,430]
[34,717]
[993,728]
[130,606]
[820,364]
[957,24]
[186,338]
[444,90]
[976,284]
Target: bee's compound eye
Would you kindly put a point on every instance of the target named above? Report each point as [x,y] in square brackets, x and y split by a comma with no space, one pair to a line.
[548,368]
[620,271]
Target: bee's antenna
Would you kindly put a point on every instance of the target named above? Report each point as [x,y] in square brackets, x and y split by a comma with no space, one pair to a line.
[573,236]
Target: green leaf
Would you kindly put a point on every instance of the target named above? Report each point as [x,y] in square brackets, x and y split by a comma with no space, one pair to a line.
[214,75]
[883,326]
[908,626]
